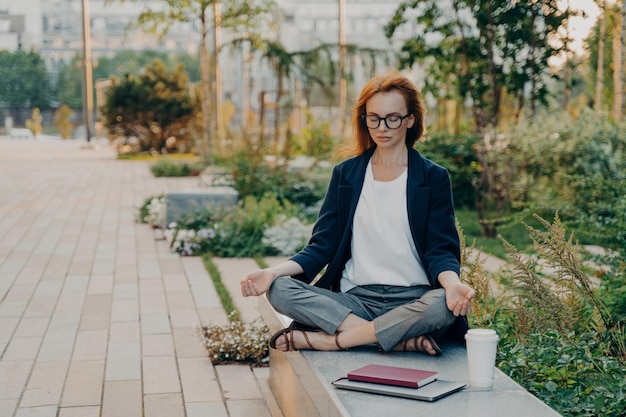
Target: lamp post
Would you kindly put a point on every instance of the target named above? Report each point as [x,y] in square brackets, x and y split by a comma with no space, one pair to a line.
[87,72]
[343,83]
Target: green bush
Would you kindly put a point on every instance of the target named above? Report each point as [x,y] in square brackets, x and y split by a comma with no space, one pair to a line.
[315,140]
[456,154]
[599,215]
[254,177]
[231,233]
[154,106]
[572,374]
[167,168]
[583,174]
[613,285]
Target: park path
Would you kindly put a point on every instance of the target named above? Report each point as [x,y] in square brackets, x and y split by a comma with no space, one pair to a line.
[97,317]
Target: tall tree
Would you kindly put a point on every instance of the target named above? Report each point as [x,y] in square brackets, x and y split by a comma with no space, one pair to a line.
[69,81]
[69,88]
[604,63]
[238,15]
[484,48]
[24,80]
[315,67]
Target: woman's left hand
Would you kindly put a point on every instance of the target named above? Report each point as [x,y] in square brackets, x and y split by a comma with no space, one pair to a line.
[458,295]
[459,298]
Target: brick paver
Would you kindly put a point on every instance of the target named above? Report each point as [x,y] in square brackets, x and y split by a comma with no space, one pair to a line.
[97,317]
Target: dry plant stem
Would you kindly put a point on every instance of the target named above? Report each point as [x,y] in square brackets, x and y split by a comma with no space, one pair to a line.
[562,255]
[475,275]
[549,311]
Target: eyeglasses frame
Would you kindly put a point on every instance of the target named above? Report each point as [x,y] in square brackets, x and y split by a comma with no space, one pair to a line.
[365,116]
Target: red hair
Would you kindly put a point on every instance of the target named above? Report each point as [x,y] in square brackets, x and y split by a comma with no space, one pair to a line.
[392,81]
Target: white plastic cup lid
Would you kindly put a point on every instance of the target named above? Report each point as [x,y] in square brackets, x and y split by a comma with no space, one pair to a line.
[481,334]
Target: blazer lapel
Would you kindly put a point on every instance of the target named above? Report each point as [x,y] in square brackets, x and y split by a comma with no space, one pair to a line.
[350,189]
[417,199]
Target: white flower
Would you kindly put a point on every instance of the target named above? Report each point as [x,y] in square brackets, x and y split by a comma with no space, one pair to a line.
[156,213]
[287,236]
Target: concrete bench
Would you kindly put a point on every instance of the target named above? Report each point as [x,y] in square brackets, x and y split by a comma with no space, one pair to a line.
[180,202]
[301,383]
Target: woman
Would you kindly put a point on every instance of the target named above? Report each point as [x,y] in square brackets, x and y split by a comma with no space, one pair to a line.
[387,237]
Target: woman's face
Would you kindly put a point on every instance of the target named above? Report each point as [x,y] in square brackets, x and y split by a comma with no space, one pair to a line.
[388,109]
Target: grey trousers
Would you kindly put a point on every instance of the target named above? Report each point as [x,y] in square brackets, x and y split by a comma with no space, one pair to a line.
[398,313]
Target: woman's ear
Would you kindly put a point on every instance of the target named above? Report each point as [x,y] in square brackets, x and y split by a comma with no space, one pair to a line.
[411,121]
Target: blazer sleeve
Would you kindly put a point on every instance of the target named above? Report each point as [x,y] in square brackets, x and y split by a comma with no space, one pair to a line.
[326,234]
[442,247]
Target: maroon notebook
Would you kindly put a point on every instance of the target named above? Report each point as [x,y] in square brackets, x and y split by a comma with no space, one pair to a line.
[392,375]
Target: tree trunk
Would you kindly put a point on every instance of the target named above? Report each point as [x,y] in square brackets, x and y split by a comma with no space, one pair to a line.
[279,97]
[205,92]
[261,142]
[567,75]
[600,70]
[567,79]
[343,83]
[217,74]
[623,50]
[617,65]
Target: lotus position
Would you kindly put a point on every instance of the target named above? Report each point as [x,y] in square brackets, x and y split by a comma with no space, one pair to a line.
[386,235]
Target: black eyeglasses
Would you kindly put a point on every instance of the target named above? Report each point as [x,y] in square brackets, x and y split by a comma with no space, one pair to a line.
[392,122]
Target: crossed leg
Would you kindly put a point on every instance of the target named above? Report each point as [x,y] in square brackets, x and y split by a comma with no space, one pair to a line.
[353,331]
[362,315]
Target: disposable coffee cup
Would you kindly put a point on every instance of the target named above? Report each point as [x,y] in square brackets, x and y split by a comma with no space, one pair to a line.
[481,357]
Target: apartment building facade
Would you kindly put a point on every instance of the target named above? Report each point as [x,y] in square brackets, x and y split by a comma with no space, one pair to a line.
[54,29]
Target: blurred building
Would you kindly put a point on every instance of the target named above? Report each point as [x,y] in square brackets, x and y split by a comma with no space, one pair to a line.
[54,29]
[20,24]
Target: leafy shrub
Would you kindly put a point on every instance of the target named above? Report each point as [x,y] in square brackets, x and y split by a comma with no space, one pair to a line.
[613,285]
[571,374]
[456,153]
[315,140]
[62,121]
[583,174]
[34,124]
[253,177]
[240,232]
[166,168]
[600,213]
[154,107]
[231,233]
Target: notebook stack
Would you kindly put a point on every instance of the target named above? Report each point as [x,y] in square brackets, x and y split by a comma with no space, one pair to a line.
[417,384]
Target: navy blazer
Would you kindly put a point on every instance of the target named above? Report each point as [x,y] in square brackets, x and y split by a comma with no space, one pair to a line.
[431,219]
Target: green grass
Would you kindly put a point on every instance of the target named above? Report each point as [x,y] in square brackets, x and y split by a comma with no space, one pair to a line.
[514,233]
[260,261]
[146,156]
[222,292]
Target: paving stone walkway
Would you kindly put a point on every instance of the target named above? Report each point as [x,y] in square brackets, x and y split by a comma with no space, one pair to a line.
[97,317]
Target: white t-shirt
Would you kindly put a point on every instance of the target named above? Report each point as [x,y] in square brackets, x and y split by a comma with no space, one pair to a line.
[383,251]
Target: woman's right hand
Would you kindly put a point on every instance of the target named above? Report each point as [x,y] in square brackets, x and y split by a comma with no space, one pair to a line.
[257,282]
